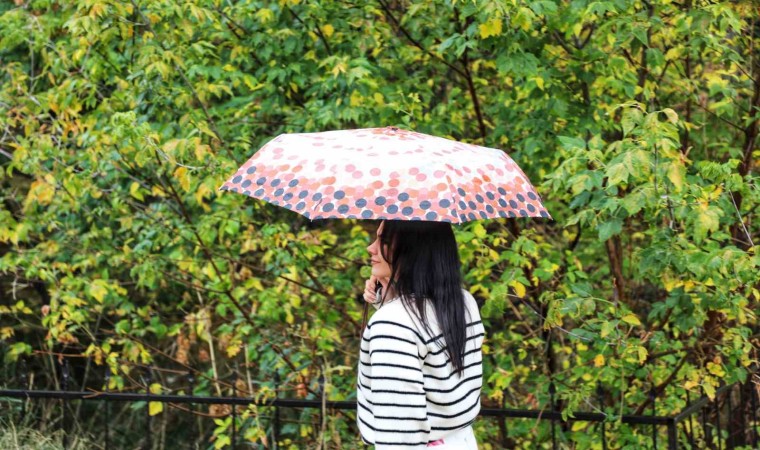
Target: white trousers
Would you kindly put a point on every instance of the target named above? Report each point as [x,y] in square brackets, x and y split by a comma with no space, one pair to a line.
[463,439]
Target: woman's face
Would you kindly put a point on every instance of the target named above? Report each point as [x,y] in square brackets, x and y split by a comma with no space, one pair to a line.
[380,267]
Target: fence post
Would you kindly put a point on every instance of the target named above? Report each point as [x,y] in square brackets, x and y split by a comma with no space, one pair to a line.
[690,434]
[717,422]
[742,434]
[552,390]
[672,435]
[321,381]
[504,421]
[24,386]
[191,406]
[276,431]
[65,387]
[148,435]
[706,432]
[600,399]
[653,398]
[107,406]
[233,411]
[729,425]
[753,400]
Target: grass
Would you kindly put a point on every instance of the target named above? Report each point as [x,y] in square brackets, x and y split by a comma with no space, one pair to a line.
[13,437]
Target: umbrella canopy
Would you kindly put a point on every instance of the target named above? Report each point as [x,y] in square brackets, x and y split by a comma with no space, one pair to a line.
[386,173]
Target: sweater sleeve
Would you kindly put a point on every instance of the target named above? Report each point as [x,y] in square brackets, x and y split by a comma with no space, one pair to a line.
[397,385]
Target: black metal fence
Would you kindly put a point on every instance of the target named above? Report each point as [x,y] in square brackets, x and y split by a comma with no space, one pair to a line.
[729,420]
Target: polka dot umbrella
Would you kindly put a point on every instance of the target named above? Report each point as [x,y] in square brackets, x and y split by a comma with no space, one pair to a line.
[386,173]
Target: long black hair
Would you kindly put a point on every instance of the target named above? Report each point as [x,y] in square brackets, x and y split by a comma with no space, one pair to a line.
[425,266]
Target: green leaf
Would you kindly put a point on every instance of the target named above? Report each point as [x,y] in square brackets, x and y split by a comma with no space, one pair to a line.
[641,34]
[617,173]
[706,218]
[609,229]
[571,143]
[632,117]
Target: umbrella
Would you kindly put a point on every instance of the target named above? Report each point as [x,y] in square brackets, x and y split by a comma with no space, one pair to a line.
[386,173]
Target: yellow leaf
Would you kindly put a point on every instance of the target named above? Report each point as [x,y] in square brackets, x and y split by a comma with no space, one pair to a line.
[379,99]
[170,146]
[338,69]
[265,15]
[328,30]
[204,128]
[155,408]
[642,354]
[201,150]
[676,173]
[631,319]
[490,28]
[709,390]
[599,360]
[716,369]
[479,230]
[355,99]
[158,191]
[577,28]
[670,283]
[98,290]
[673,53]
[233,350]
[201,193]
[672,115]
[256,283]
[42,191]
[183,177]
[518,287]
[539,82]
[134,190]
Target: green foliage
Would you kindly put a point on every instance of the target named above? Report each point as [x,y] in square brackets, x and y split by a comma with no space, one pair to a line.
[637,121]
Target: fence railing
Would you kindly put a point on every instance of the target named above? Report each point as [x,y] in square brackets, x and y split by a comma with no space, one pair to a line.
[729,420]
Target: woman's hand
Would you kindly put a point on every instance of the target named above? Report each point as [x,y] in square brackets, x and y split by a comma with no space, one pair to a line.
[369,289]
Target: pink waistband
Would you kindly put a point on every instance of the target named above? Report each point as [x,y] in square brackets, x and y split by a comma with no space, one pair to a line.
[461,433]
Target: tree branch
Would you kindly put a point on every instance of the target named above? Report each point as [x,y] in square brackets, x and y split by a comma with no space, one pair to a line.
[319,32]
[415,42]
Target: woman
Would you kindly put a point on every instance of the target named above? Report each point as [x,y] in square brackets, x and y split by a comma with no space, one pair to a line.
[420,367]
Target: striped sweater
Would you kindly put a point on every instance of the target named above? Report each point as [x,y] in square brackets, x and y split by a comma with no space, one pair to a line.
[407,394]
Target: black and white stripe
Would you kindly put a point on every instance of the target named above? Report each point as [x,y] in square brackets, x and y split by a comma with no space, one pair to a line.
[407,392]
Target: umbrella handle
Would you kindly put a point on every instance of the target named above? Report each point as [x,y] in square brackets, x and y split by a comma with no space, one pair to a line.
[378,293]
